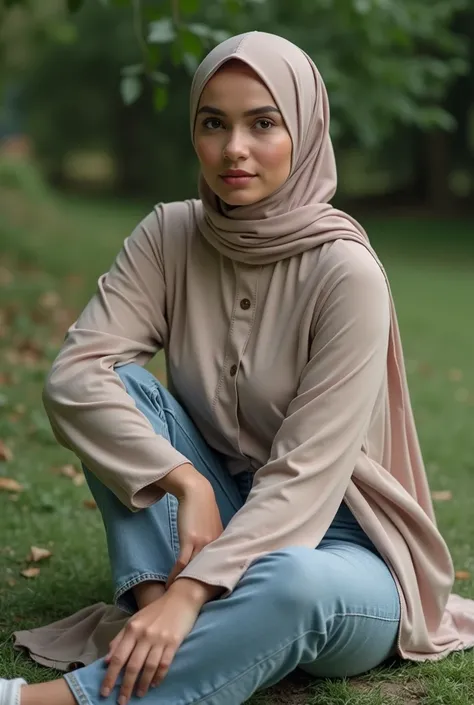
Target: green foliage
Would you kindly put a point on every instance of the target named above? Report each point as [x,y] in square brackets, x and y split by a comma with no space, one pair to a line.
[385,62]
[116,74]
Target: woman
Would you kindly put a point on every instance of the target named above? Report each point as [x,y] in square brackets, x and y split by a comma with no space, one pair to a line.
[285,460]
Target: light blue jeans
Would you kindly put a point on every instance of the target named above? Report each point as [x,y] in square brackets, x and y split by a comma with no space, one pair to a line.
[333,611]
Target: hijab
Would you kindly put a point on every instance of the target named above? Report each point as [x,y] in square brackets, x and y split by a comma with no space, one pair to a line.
[297,216]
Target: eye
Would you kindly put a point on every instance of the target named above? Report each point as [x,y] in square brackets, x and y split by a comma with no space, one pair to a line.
[265,124]
[211,123]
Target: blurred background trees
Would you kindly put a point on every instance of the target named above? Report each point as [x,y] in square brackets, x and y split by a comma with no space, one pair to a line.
[100,87]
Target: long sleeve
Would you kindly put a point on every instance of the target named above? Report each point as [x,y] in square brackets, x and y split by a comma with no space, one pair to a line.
[297,492]
[89,409]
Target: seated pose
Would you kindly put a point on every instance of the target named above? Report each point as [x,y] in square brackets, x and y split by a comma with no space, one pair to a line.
[269,510]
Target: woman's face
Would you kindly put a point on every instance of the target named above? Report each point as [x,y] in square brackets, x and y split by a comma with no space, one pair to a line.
[240,138]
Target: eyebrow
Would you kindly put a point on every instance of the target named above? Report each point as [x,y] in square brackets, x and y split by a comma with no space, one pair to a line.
[254,111]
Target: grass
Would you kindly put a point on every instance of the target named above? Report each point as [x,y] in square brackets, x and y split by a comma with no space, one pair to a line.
[51,257]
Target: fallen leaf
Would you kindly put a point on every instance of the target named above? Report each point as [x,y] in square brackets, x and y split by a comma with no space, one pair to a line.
[75,279]
[462,575]
[50,299]
[68,471]
[30,572]
[9,485]
[11,582]
[6,277]
[455,375]
[38,554]
[5,453]
[90,504]
[13,418]
[442,495]
[78,480]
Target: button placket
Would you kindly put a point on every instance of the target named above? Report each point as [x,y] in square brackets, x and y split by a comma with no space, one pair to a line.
[239,333]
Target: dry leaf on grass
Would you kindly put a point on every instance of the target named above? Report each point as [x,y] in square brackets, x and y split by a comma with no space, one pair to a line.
[68,471]
[455,375]
[462,575]
[442,495]
[38,554]
[78,480]
[90,504]
[50,299]
[6,379]
[6,276]
[5,452]
[11,582]
[9,485]
[30,572]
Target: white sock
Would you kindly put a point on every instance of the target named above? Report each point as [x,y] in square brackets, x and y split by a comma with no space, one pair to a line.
[10,691]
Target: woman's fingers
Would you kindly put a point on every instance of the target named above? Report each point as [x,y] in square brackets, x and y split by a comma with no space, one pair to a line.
[115,641]
[149,670]
[116,662]
[133,670]
[165,662]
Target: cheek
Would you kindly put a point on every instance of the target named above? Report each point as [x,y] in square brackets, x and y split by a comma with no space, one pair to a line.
[208,152]
[277,155]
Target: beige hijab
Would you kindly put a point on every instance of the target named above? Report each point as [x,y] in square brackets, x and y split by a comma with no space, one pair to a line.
[297,216]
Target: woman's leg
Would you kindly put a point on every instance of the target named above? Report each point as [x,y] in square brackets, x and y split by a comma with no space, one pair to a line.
[143,546]
[333,612]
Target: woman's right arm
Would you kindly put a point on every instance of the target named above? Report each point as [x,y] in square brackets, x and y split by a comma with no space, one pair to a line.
[89,409]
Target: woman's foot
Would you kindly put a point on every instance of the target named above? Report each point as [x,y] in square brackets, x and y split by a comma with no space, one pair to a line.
[10,691]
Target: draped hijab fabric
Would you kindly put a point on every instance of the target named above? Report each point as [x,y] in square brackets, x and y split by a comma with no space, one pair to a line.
[297,216]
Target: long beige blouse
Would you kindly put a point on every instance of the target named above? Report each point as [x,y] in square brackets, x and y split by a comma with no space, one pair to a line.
[283,369]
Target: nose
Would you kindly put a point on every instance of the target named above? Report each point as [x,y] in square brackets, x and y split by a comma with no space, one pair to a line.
[236,146]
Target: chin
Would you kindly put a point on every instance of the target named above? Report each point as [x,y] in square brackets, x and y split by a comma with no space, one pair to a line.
[240,198]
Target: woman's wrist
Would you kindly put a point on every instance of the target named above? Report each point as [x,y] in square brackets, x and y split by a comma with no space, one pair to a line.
[182,480]
[194,590]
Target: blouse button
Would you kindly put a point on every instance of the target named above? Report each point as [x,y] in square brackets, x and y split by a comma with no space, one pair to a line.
[245,304]
[233,370]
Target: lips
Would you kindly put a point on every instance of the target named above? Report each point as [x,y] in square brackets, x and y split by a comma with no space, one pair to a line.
[236,173]
[237,178]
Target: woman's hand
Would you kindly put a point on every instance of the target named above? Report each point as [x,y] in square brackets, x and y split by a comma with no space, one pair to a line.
[199,523]
[149,641]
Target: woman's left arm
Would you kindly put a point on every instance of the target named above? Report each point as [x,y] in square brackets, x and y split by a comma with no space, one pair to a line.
[296,494]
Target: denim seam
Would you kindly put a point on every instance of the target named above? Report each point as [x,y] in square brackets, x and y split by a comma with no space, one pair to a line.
[361,614]
[274,653]
[77,689]
[139,578]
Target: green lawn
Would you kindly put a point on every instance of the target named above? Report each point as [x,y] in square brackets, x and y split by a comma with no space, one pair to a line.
[50,259]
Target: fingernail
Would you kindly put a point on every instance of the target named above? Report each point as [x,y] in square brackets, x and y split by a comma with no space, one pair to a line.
[140,693]
[105,692]
[122,700]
